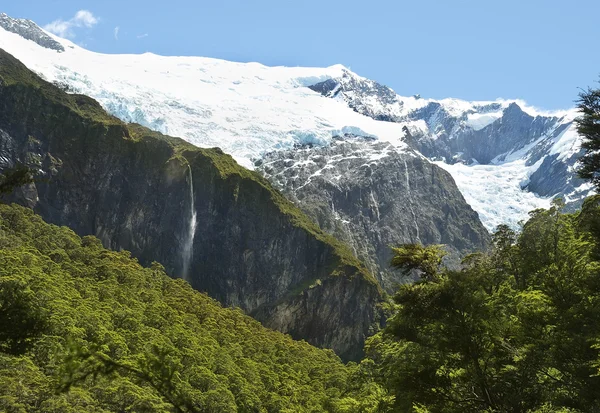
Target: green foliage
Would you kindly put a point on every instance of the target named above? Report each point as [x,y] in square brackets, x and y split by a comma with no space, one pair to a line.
[588,126]
[114,336]
[426,259]
[13,178]
[515,330]
[21,317]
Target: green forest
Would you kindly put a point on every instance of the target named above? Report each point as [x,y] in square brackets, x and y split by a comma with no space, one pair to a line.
[85,329]
[516,330]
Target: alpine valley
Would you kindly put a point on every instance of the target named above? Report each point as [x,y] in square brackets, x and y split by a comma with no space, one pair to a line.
[285,186]
[194,235]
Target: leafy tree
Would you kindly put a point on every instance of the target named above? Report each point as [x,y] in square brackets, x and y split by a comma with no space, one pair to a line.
[21,318]
[13,178]
[588,126]
[588,222]
[515,330]
[426,259]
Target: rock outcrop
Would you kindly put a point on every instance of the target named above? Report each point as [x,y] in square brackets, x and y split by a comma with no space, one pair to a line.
[373,195]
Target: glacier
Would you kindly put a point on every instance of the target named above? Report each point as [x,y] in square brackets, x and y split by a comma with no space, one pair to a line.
[249,110]
[245,109]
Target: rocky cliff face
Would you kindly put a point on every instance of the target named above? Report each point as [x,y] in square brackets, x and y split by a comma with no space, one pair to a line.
[373,195]
[134,189]
[454,137]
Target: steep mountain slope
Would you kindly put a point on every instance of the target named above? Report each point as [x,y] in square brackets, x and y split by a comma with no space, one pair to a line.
[249,110]
[195,210]
[30,31]
[243,108]
[63,296]
[372,195]
[505,157]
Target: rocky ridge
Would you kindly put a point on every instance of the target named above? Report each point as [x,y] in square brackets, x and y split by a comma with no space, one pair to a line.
[473,133]
[30,31]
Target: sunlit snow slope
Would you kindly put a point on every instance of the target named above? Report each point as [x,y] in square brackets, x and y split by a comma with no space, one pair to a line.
[244,108]
[249,109]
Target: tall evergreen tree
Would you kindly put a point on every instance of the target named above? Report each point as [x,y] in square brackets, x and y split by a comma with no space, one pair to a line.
[588,126]
[516,329]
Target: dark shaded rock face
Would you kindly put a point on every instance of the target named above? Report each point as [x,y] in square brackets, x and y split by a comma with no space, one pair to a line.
[131,188]
[557,172]
[30,31]
[555,176]
[373,196]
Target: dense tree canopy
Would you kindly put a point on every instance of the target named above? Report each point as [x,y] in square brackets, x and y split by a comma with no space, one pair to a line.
[85,329]
[516,330]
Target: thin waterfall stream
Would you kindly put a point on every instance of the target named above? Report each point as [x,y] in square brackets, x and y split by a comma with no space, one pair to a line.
[188,244]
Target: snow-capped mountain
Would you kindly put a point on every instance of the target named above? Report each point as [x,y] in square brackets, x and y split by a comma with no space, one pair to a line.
[506,157]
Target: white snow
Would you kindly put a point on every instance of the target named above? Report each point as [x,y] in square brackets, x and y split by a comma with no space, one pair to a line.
[478,121]
[246,109]
[583,191]
[494,191]
[567,144]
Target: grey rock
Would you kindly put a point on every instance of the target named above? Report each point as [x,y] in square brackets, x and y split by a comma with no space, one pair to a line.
[450,137]
[373,196]
[30,31]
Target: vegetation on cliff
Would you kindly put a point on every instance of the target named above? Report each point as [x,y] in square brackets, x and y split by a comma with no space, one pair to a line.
[88,329]
[85,329]
[86,115]
[13,178]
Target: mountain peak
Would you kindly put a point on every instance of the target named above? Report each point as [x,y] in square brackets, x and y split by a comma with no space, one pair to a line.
[513,109]
[30,31]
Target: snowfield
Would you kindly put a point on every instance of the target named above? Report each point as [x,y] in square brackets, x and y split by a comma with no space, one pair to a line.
[495,192]
[245,109]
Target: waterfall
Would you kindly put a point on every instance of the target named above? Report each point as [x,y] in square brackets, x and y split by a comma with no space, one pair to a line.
[410,202]
[188,243]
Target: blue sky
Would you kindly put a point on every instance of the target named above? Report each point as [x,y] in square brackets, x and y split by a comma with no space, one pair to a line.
[540,51]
